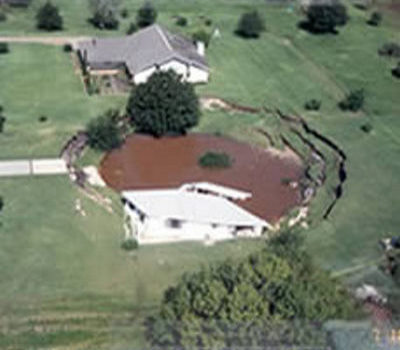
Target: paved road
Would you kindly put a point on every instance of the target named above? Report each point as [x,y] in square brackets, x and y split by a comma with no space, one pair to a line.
[47,40]
[11,168]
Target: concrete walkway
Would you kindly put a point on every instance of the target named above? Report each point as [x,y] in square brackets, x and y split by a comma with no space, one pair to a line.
[11,168]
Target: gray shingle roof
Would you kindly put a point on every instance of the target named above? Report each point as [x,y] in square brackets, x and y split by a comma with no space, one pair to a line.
[151,46]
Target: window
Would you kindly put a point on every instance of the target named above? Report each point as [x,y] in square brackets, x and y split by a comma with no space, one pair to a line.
[174,223]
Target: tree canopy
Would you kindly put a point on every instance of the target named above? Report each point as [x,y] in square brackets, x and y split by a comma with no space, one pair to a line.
[324,17]
[48,17]
[250,25]
[163,105]
[146,15]
[105,13]
[103,133]
[274,297]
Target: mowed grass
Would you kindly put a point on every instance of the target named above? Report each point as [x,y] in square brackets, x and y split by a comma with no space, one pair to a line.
[39,80]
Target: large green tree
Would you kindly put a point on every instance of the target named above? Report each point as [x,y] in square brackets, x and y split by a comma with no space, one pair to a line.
[325,16]
[105,13]
[274,297]
[146,15]
[48,17]
[163,105]
[250,25]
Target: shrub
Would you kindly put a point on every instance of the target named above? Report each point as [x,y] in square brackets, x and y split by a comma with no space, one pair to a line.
[129,244]
[181,21]
[163,105]
[104,13]
[375,19]
[214,160]
[3,17]
[132,28]
[250,25]
[146,15]
[104,133]
[396,71]
[67,48]
[390,49]
[208,22]
[48,18]
[203,36]
[42,119]
[353,101]
[2,122]
[325,17]
[367,128]
[1,203]
[4,48]
[108,21]
[124,13]
[312,105]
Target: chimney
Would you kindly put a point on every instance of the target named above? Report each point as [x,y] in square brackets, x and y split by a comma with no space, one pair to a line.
[201,48]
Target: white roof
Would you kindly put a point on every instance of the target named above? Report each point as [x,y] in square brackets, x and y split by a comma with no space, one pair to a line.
[224,191]
[191,206]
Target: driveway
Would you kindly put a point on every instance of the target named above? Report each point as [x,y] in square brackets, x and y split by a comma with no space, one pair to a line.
[46,40]
[11,168]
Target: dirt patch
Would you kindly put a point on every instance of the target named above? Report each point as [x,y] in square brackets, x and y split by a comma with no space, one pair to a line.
[144,162]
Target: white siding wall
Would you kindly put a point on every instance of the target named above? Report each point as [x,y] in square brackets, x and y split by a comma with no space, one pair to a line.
[192,74]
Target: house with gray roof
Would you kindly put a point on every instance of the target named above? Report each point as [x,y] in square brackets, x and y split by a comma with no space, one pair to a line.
[142,53]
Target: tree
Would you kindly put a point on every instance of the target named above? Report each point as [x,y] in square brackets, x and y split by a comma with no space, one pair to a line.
[353,101]
[275,297]
[104,133]
[146,15]
[105,13]
[4,48]
[132,28]
[163,105]
[250,25]
[48,17]
[375,19]
[396,71]
[202,36]
[1,203]
[2,119]
[325,17]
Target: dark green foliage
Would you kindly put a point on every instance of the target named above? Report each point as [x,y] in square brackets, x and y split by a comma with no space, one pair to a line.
[3,16]
[132,28]
[367,128]
[1,203]
[4,48]
[250,25]
[353,101]
[215,160]
[312,105]
[2,119]
[390,50]
[146,15]
[67,48]
[181,21]
[396,71]
[275,297]
[203,36]
[104,14]
[375,19]
[124,13]
[104,133]
[48,18]
[163,105]
[42,119]
[325,17]
[208,22]
[129,244]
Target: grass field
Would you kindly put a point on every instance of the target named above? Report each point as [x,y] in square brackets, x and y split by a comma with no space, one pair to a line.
[64,278]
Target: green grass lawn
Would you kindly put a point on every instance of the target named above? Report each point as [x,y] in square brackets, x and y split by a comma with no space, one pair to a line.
[55,262]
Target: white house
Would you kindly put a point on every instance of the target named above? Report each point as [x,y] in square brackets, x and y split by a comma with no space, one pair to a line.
[142,53]
[190,213]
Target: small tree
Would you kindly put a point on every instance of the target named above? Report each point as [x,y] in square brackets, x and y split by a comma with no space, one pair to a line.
[181,21]
[105,13]
[353,101]
[203,36]
[163,105]
[325,17]
[48,17]
[132,28]
[390,49]
[215,160]
[375,19]
[146,15]
[1,203]
[103,133]
[2,119]
[4,48]
[250,25]
[396,71]
[312,105]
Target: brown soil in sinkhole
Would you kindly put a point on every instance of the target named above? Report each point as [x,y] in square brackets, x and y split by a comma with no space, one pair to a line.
[144,162]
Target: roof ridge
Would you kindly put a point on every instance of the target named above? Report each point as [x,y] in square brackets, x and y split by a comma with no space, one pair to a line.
[160,31]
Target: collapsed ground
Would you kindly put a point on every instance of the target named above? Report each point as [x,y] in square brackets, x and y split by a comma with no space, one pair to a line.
[69,270]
